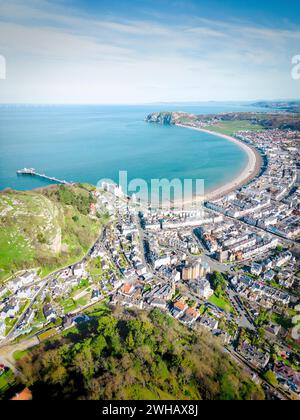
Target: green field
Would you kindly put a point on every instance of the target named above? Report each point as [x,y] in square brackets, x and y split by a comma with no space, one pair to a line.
[221,303]
[84,300]
[68,305]
[97,310]
[71,304]
[231,127]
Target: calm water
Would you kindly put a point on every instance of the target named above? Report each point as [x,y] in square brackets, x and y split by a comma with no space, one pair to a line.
[88,143]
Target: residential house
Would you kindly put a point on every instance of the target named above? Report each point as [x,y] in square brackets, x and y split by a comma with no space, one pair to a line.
[96,294]
[178,309]
[209,323]
[190,316]
[202,288]
[49,313]
[160,262]
[288,376]
[257,357]
[256,269]
[127,289]
[273,329]
[269,275]
[10,309]
[27,278]
[79,270]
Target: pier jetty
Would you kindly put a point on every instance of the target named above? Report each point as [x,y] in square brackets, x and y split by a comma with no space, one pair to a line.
[33,172]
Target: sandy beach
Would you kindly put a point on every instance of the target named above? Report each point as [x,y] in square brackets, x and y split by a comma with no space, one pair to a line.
[251,170]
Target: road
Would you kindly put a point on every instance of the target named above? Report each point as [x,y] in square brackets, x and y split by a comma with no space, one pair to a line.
[11,334]
[141,236]
[7,354]
[7,351]
[213,263]
[216,265]
[244,320]
[10,366]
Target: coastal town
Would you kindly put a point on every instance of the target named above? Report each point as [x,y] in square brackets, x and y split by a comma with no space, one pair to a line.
[230,267]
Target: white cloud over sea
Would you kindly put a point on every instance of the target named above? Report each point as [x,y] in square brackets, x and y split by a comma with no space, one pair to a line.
[60,54]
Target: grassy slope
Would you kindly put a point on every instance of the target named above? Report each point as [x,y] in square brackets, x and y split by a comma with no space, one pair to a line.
[38,229]
[221,303]
[231,127]
[265,120]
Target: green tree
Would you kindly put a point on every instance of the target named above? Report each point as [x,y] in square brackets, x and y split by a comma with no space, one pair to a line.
[263,318]
[98,346]
[130,343]
[84,364]
[219,283]
[271,378]
[107,326]
[261,333]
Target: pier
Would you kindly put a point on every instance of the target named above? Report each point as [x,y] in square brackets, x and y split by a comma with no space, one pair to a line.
[33,172]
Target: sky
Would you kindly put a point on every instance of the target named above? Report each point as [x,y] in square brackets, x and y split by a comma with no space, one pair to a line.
[142,51]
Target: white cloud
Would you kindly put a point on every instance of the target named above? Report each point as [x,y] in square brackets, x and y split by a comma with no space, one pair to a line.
[57,56]
[53,43]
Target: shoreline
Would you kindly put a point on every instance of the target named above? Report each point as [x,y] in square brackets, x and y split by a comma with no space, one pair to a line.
[251,170]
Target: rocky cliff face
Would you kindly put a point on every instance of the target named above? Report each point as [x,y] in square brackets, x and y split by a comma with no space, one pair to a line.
[164,118]
[169,118]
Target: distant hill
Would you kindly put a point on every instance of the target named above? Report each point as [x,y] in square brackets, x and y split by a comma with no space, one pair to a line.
[287,106]
[45,228]
[262,120]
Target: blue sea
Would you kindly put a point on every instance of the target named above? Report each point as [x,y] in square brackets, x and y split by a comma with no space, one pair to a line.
[89,143]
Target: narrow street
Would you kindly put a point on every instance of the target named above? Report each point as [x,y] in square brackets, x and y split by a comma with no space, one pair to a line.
[244,319]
